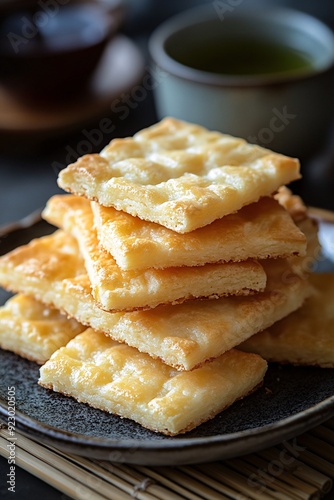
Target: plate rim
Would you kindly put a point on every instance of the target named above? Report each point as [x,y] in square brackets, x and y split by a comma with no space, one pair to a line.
[181,451]
[29,422]
[145,450]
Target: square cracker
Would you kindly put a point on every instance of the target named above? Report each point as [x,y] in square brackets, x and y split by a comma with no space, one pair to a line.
[179,175]
[258,231]
[305,337]
[33,330]
[183,336]
[114,289]
[119,379]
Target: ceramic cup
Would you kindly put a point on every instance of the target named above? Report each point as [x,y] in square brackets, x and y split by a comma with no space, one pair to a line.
[285,108]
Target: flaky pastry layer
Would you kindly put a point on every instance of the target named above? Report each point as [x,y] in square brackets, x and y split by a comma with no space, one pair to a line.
[179,175]
[257,231]
[115,289]
[301,264]
[305,337]
[119,379]
[183,336]
[292,203]
[305,264]
[33,330]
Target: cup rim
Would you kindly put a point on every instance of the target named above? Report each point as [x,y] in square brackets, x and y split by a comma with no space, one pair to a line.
[205,13]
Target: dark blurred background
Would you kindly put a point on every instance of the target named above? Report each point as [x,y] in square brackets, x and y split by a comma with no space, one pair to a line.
[55,108]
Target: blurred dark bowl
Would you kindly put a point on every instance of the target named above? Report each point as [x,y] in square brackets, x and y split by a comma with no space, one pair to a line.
[49,49]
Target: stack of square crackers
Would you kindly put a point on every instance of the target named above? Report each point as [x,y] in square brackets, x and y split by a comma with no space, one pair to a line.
[171,253]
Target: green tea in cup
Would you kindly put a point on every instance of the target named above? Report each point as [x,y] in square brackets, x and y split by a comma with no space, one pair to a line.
[266,76]
[245,56]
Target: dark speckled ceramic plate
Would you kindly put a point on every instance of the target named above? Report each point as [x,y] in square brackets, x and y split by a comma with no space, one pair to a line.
[292,401]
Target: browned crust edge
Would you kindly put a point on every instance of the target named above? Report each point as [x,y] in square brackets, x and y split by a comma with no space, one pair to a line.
[190,427]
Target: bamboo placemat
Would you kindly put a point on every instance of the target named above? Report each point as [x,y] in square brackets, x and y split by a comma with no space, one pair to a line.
[299,469]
